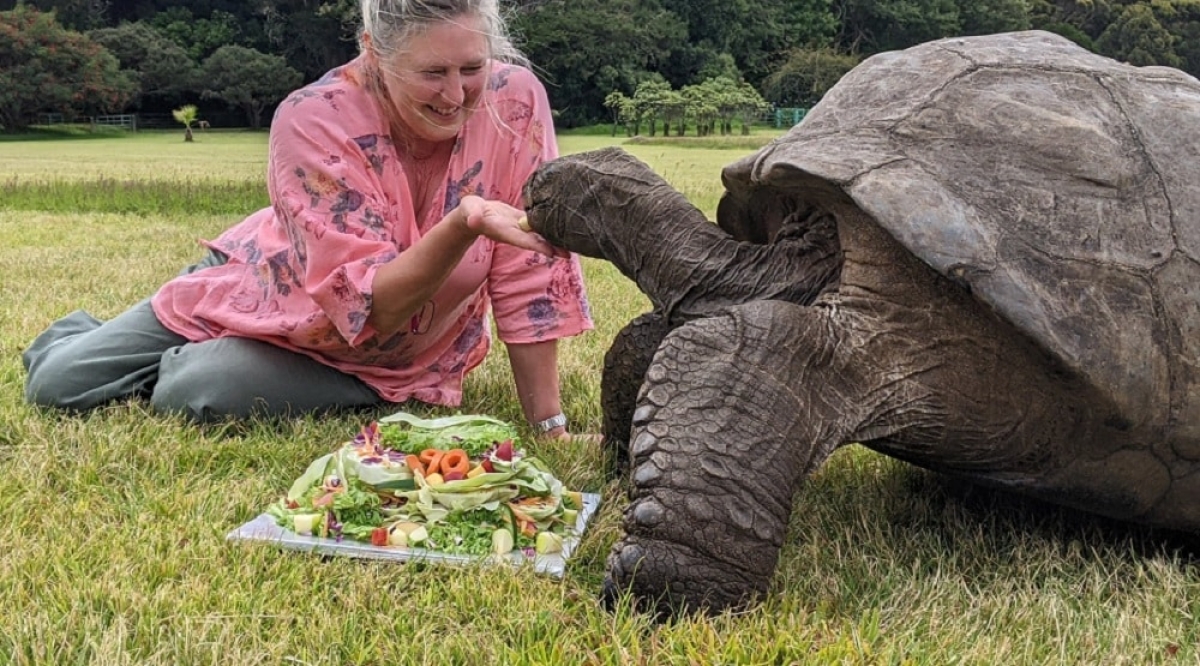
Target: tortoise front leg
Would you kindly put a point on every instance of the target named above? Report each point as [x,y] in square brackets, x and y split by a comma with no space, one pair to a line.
[729,421]
[625,366]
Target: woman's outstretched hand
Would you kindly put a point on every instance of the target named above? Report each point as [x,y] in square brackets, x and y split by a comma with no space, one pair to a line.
[503,223]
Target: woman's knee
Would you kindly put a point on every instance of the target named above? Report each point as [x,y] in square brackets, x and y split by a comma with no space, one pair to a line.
[239,378]
[80,362]
[46,386]
[49,359]
[46,382]
[198,381]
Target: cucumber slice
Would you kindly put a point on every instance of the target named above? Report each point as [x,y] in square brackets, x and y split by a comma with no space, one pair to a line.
[304,523]
[548,543]
[502,541]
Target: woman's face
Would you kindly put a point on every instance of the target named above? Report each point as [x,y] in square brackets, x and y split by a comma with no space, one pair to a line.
[436,83]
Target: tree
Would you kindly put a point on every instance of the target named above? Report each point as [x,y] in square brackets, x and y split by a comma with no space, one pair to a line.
[806,76]
[45,67]
[720,64]
[673,106]
[313,35]
[624,111]
[755,33]
[648,100]
[161,68]
[187,115]
[200,37]
[871,26]
[583,49]
[1079,20]
[79,15]
[733,101]
[984,18]
[701,107]
[1182,19]
[1138,38]
[248,79]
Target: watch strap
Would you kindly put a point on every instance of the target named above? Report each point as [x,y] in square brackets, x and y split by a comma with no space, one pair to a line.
[557,421]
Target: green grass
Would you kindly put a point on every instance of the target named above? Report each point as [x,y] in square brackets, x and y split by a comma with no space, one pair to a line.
[62,132]
[134,197]
[747,142]
[112,524]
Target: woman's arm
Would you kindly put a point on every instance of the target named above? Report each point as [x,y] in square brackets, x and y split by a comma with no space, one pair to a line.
[535,372]
[403,285]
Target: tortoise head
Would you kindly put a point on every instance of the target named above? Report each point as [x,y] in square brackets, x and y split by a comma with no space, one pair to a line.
[747,212]
[575,201]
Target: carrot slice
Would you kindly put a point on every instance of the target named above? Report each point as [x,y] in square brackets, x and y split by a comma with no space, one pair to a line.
[432,459]
[455,460]
[414,464]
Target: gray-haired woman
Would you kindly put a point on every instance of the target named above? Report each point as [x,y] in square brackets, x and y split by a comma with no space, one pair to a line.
[395,229]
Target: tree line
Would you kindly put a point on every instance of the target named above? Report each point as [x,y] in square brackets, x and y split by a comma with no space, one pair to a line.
[693,60]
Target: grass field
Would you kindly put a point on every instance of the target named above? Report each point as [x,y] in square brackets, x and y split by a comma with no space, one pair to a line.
[112,524]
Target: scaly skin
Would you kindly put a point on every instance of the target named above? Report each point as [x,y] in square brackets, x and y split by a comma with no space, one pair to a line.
[625,366]
[716,459]
[688,267]
[738,408]
[607,204]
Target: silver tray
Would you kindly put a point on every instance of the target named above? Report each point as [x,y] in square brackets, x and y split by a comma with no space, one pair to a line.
[264,529]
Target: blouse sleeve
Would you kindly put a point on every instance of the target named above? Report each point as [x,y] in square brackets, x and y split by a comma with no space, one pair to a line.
[326,183]
[534,298]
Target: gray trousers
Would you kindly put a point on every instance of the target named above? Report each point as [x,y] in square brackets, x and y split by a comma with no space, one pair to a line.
[80,363]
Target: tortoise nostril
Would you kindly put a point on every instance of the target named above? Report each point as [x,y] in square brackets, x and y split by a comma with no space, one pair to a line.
[547,170]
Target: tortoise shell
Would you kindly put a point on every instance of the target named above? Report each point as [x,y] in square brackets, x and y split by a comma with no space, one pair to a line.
[1059,187]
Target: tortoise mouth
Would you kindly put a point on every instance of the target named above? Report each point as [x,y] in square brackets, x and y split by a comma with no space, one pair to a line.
[529,200]
[533,208]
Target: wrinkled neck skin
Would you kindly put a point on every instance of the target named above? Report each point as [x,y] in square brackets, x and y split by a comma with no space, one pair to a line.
[608,205]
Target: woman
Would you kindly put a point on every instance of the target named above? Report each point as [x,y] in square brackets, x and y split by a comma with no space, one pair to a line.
[394,228]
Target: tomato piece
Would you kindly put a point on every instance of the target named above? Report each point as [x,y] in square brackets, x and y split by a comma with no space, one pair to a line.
[379,536]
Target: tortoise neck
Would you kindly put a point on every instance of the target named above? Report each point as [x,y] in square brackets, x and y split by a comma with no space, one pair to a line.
[876,266]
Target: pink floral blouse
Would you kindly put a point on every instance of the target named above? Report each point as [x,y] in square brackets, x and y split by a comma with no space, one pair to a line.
[300,272]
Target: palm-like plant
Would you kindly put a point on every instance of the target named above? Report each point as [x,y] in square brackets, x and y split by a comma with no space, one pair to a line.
[187,115]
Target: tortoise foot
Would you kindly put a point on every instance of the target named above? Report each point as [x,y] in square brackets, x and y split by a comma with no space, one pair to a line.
[668,579]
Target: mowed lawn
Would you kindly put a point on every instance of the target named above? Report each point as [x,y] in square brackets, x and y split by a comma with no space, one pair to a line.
[113,524]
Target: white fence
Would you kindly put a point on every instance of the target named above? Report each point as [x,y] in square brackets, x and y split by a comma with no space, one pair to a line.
[126,120]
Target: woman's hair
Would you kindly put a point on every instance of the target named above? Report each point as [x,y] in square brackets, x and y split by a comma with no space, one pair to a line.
[391,24]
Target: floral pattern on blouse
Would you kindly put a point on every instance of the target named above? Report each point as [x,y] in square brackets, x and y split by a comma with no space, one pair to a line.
[300,273]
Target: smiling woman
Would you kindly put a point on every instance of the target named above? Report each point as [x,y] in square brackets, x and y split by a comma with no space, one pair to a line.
[391,236]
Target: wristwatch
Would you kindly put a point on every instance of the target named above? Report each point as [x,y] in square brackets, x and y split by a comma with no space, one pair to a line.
[557,421]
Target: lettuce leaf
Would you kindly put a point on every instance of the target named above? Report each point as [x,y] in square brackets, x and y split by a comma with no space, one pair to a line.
[313,476]
[384,474]
[474,433]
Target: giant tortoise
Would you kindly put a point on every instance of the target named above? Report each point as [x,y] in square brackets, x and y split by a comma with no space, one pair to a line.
[979,255]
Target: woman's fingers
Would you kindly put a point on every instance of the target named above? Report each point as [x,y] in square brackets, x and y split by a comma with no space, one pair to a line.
[506,224]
